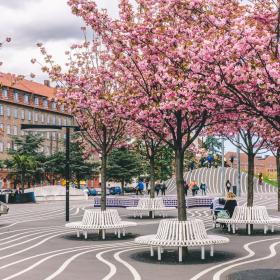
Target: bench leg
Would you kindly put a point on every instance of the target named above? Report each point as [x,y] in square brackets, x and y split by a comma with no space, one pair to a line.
[78,233]
[249,229]
[85,234]
[202,252]
[212,250]
[116,232]
[272,228]
[180,254]
[228,227]
[119,233]
[103,234]
[265,229]
[123,232]
[153,214]
[152,251]
[233,228]
[159,253]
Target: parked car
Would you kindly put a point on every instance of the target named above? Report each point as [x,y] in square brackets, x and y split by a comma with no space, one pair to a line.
[91,192]
[4,209]
[115,190]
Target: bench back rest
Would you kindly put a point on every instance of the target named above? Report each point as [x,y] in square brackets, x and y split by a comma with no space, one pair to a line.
[98,217]
[241,213]
[173,229]
[259,213]
[144,202]
[158,202]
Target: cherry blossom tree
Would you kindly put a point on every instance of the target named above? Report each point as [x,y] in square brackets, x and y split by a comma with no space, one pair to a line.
[151,48]
[85,89]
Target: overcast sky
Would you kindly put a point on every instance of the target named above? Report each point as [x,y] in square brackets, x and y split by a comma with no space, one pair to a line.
[30,21]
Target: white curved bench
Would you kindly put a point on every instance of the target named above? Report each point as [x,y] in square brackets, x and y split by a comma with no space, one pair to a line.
[174,233]
[151,205]
[250,216]
[95,219]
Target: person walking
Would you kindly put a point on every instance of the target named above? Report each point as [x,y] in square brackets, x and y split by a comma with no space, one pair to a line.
[148,188]
[203,188]
[186,188]
[163,189]
[157,188]
[228,185]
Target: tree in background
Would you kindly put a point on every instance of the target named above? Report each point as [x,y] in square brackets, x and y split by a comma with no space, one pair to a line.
[123,165]
[26,162]
[80,168]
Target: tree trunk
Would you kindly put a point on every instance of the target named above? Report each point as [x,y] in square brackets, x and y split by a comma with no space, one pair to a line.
[278,175]
[250,181]
[122,186]
[103,181]
[22,183]
[152,176]
[179,173]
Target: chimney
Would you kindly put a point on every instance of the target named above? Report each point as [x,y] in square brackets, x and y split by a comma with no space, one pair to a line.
[47,83]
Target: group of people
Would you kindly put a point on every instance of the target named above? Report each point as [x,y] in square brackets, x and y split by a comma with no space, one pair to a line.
[159,188]
[194,187]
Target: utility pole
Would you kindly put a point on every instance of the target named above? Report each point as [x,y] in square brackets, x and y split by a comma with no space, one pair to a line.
[238,167]
[67,171]
[223,167]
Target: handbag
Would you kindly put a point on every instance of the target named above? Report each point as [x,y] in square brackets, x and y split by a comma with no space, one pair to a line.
[223,214]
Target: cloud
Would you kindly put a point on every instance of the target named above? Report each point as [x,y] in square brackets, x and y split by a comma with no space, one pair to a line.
[48,21]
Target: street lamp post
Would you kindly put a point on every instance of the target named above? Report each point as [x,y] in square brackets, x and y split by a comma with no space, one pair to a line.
[35,127]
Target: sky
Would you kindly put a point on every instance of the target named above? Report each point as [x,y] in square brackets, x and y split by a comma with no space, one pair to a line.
[51,22]
[28,22]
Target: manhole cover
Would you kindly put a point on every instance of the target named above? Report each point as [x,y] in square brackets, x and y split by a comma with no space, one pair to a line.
[256,274]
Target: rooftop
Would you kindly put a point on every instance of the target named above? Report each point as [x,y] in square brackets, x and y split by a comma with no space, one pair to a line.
[10,80]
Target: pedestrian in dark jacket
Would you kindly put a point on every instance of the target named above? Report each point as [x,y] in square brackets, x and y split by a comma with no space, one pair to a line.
[163,189]
[228,185]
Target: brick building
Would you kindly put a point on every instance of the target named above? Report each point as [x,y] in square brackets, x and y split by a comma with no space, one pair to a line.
[25,101]
[265,165]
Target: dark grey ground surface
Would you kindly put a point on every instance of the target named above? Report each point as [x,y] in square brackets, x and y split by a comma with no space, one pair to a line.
[35,245]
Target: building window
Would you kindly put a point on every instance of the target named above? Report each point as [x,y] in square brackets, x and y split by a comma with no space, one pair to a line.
[15,130]
[65,121]
[22,114]
[59,121]
[8,129]
[54,105]
[26,99]
[8,111]
[62,108]
[8,145]
[15,113]
[29,115]
[5,93]
[1,110]
[1,147]
[53,120]
[45,102]
[48,119]
[22,132]
[42,118]
[36,117]
[48,135]
[16,96]
[36,101]
[15,146]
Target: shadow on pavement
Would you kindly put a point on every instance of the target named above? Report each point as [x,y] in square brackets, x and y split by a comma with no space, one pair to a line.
[95,237]
[194,257]
[256,274]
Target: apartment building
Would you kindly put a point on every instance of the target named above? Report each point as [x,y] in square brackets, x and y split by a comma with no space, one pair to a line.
[24,101]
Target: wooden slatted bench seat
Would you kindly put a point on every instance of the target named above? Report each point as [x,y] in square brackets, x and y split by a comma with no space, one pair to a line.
[174,233]
[95,219]
[256,215]
[147,204]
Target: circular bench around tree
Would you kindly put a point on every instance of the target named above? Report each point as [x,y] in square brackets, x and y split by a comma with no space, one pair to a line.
[256,215]
[95,219]
[147,204]
[174,233]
